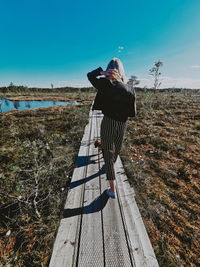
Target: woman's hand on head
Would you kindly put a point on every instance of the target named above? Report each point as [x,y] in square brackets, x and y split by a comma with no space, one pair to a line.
[112,71]
[109,72]
[103,72]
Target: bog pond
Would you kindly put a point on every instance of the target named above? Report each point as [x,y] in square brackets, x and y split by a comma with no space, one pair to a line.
[7,105]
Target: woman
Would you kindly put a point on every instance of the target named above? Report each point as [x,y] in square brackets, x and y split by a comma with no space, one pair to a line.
[117,102]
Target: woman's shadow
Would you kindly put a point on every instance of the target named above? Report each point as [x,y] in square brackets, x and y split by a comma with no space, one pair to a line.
[96,205]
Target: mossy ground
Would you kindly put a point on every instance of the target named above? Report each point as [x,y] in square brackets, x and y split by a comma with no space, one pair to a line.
[81,95]
[160,154]
[38,149]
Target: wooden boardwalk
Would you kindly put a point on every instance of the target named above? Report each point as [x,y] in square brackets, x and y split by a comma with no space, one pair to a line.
[97,230]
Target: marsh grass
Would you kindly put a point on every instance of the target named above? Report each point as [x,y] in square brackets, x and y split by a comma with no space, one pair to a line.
[82,95]
[161,158]
[38,152]
[160,154]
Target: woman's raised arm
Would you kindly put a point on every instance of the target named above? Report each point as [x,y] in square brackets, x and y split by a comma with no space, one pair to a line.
[92,77]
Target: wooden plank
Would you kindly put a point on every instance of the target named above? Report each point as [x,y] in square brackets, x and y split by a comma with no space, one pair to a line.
[139,241]
[66,239]
[115,243]
[91,243]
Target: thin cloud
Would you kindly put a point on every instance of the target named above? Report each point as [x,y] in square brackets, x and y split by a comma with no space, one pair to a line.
[170,82]
[195,67]
[120,48]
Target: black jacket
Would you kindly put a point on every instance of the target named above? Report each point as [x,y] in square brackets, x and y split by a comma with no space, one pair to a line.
[115,99]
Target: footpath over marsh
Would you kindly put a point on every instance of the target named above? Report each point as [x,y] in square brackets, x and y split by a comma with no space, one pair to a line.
[161,156]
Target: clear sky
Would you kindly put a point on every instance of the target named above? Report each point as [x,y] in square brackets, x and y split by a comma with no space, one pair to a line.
[59,41]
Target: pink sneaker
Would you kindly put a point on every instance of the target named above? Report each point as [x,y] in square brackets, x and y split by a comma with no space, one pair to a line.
[110,194]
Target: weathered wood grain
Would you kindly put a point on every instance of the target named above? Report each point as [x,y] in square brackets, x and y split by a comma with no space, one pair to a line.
[91,244]
[136,232]
[66,239]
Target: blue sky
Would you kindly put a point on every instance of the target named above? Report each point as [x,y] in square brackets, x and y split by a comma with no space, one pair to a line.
[58,42]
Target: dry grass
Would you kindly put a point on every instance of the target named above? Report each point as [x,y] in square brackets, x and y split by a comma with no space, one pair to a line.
[38,149]
[81,95]
[161,155]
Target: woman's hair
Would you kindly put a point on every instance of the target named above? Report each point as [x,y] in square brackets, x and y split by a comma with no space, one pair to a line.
[116,64]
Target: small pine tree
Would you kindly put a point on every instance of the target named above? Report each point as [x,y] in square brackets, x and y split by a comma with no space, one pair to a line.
[11,84]
[133,81]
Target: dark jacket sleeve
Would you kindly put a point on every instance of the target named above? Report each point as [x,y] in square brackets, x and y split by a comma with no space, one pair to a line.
[92,77]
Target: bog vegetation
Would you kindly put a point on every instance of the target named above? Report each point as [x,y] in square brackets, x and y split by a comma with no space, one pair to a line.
[161,157]
[38,149]
[160,153]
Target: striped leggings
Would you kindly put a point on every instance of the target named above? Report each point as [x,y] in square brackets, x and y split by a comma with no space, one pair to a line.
[112,133]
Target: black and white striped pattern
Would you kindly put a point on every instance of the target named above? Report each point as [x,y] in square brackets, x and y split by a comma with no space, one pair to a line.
[112,133]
